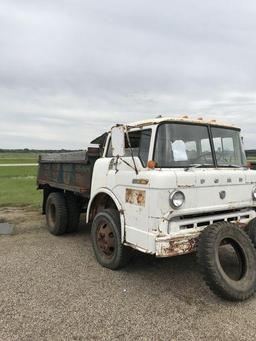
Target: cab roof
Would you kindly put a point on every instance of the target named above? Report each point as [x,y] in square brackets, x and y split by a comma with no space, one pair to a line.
[182,119]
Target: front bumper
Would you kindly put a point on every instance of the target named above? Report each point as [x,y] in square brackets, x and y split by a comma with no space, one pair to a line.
[186,239]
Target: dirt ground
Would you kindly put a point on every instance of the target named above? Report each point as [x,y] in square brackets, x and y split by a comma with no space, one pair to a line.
[51,288]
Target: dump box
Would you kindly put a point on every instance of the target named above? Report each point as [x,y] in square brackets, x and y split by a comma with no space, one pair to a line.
[68,171]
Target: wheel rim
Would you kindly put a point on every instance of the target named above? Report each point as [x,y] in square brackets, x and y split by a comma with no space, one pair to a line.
[52,215]
[106,241]
[232,259]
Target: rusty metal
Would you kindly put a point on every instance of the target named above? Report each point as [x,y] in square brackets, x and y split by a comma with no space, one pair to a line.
[182,243]
[67,172]
[178,246]
[106,239]
[181,246]
[135,197]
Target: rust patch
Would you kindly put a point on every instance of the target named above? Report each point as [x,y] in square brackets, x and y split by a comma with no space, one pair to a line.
[135,197]
[181,246]
[178,246]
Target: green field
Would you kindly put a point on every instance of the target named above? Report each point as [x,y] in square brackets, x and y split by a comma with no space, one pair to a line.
[18,183]
[13,160]
[18,158]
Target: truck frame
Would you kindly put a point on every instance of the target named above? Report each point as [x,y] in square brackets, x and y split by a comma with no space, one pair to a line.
[166,187]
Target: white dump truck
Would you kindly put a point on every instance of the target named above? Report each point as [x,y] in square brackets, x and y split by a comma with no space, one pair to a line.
[166,187]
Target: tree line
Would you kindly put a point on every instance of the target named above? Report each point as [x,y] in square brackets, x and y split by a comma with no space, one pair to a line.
[27,150]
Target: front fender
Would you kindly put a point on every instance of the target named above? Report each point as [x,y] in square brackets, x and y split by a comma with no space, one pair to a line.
[117,203]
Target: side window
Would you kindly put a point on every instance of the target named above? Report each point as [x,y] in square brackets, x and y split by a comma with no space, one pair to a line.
[144,146]
[135,137]
[140,143]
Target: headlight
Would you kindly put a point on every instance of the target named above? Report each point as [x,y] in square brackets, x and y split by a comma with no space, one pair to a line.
[254,193]
[177,199]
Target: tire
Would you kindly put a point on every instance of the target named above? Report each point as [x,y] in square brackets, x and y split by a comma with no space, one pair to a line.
[238,285]
[106,240]
[56,213]
[251,230]
[73,212]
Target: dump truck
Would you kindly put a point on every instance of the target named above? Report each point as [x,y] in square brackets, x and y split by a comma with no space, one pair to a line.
[165,187]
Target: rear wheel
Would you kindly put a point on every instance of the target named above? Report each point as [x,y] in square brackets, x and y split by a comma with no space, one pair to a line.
[73,209]
[227,261]
[106,240]
[56,213]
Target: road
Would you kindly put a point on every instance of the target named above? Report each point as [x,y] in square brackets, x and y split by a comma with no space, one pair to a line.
[52,288]
[17,164]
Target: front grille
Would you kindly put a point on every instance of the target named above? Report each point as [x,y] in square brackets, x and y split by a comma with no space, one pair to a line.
[203,220]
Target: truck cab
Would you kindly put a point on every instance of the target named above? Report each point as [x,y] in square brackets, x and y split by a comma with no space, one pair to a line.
[174,178]
[166,187]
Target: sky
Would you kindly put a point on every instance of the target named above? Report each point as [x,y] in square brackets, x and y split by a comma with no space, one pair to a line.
[70,69]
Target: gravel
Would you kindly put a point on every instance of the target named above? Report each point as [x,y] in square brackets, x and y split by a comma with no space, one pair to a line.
[51,288]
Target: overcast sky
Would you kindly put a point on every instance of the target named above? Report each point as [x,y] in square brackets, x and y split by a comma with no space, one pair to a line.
[69,69]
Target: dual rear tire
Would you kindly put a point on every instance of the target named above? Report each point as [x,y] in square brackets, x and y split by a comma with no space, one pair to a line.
[62,213]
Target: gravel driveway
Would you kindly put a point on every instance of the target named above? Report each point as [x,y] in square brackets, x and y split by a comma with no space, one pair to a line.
[51,288]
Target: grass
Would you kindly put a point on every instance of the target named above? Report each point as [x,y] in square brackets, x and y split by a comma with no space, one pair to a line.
[18,184]
[18,172]
[18,158]
[12,160]
[18,155]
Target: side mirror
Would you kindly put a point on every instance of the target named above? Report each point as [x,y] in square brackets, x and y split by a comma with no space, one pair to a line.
[118,141]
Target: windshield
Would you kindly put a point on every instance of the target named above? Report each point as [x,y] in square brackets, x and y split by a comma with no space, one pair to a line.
[188,145]
[227,147]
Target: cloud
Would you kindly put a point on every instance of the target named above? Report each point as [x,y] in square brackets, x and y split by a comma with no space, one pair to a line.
[71,69]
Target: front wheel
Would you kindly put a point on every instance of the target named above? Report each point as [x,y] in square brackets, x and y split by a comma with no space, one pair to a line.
[227,261]
[106,240]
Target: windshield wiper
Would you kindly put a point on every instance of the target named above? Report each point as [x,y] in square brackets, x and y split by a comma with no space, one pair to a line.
[231,166]
[198,165]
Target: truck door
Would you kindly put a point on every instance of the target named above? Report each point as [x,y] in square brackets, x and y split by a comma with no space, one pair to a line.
[131,189]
